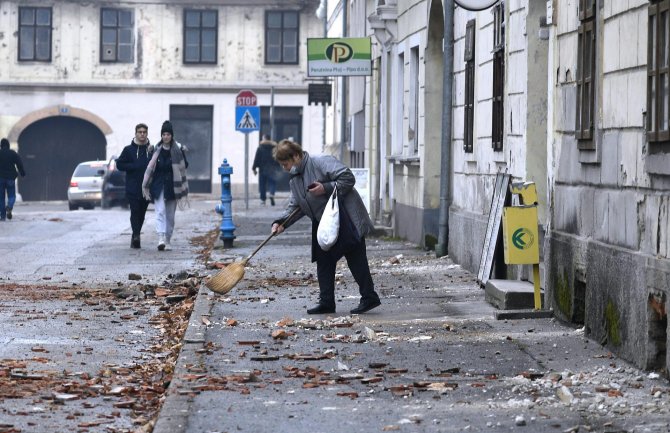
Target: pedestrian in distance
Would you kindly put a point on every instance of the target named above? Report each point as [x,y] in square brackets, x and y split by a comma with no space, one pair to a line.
[165,183]
[312,181]
[10,162]
[134,160]
[267,169]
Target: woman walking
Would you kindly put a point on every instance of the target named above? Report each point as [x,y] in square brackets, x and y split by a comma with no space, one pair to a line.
[165,183]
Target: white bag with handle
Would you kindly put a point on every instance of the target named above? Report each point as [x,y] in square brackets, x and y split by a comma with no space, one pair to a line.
[329,226]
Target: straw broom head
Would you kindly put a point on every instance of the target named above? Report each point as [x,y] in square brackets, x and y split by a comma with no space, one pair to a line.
[227,278]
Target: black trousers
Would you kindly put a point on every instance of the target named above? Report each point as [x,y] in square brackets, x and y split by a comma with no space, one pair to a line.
[138,210]
[357,260]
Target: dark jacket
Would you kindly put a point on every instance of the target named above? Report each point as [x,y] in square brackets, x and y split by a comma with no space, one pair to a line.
[134,160]
[9,162]
[264,161]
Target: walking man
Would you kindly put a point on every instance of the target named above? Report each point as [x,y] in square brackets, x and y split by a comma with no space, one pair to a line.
[134,160]
[10,162]
[267,168]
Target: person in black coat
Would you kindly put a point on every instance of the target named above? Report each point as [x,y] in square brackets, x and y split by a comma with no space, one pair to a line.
[134,160]
[267,168]
[10,161]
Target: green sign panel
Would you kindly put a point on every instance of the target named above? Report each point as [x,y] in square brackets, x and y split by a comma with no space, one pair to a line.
[339,57]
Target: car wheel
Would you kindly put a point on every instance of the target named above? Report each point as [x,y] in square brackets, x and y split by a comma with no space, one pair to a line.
[88,206]
[72,206]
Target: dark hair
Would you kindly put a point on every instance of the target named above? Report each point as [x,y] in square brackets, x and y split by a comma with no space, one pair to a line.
[4,143]
[141,125]
[286,149]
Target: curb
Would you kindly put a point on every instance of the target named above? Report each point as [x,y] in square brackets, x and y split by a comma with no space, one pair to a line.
[174,414]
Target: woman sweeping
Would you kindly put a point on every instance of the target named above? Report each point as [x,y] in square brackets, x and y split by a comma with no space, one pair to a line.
[312,181]
[165,183]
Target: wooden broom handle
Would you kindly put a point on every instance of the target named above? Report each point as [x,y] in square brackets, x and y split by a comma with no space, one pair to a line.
[291,215]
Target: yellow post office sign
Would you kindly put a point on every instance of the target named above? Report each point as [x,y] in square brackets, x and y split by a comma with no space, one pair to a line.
[520,234]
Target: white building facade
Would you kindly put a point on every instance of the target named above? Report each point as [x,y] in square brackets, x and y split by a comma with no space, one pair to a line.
[76,77]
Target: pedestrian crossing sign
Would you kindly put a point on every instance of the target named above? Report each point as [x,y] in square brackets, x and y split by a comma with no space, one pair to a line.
[247,119]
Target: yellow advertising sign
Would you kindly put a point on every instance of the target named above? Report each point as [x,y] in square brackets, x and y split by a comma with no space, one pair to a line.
[520,234]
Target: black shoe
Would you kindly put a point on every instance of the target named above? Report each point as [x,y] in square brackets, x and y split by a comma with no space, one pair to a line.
[321,309]
[135,241]
[272,201]
[366,306]
[9,213]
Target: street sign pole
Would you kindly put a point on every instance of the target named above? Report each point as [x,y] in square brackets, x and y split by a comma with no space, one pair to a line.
[246,170]
[247,119]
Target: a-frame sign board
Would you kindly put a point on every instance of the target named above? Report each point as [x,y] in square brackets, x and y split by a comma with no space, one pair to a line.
[500,196]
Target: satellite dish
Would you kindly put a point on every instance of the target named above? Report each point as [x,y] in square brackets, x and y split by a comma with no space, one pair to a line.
[475,5]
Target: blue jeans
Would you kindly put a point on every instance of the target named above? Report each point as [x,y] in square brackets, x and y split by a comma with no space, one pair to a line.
[266,183]
[8,185]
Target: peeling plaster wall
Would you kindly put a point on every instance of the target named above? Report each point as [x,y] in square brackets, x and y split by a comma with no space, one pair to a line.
[124,94]
[524,148]
[610,219]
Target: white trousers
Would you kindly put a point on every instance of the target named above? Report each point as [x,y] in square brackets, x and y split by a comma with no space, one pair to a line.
[165,210]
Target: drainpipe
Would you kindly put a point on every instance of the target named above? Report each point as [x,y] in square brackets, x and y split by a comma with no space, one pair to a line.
[322,14]
[442,247]
[343,125]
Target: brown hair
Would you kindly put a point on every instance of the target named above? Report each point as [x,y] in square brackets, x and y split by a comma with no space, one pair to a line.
[286,149]
[141,125]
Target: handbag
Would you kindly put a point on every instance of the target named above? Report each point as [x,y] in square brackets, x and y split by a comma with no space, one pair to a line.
[329,226]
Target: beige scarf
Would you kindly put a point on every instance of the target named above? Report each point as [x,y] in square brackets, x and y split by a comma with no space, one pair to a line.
[180,183]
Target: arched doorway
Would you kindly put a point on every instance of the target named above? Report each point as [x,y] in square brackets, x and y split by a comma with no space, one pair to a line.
[50,149]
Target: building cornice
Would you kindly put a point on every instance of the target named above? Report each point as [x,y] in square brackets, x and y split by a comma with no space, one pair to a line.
[151,88]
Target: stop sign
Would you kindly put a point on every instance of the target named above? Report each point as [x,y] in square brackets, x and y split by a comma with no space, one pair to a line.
[246,98]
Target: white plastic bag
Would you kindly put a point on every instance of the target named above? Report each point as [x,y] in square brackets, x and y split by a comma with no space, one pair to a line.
[329,226]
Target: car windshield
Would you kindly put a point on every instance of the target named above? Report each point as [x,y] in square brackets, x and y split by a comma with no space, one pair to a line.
[86,170]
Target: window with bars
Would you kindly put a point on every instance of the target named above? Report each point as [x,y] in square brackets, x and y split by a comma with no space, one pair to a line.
[469,104]
[498,114]
[200,36]
[34,34]
[658,50]
[281,37]
[586,60]
[116,35]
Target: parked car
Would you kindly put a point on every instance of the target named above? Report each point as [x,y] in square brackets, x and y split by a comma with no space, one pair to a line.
[86,185]
[114,186]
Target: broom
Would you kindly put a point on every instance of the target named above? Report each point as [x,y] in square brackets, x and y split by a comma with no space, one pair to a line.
[228,277]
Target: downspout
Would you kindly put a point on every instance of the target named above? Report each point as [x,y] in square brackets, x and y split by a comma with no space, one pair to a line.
[442,247]
[343,108]
[322,14]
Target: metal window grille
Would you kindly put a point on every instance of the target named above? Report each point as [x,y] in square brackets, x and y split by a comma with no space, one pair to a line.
[34,34]
[281,37]
[200,36]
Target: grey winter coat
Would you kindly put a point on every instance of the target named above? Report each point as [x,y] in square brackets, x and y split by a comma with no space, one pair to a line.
[329,171]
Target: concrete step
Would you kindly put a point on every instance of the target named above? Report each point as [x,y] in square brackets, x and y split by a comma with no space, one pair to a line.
[510,294]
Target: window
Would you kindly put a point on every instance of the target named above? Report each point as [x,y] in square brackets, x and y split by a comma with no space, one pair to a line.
[35,34]
[200,36]
[469,106]
[657,72]
[498,114]
[116,35]
[413,131]
[281,37]
[586,60]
